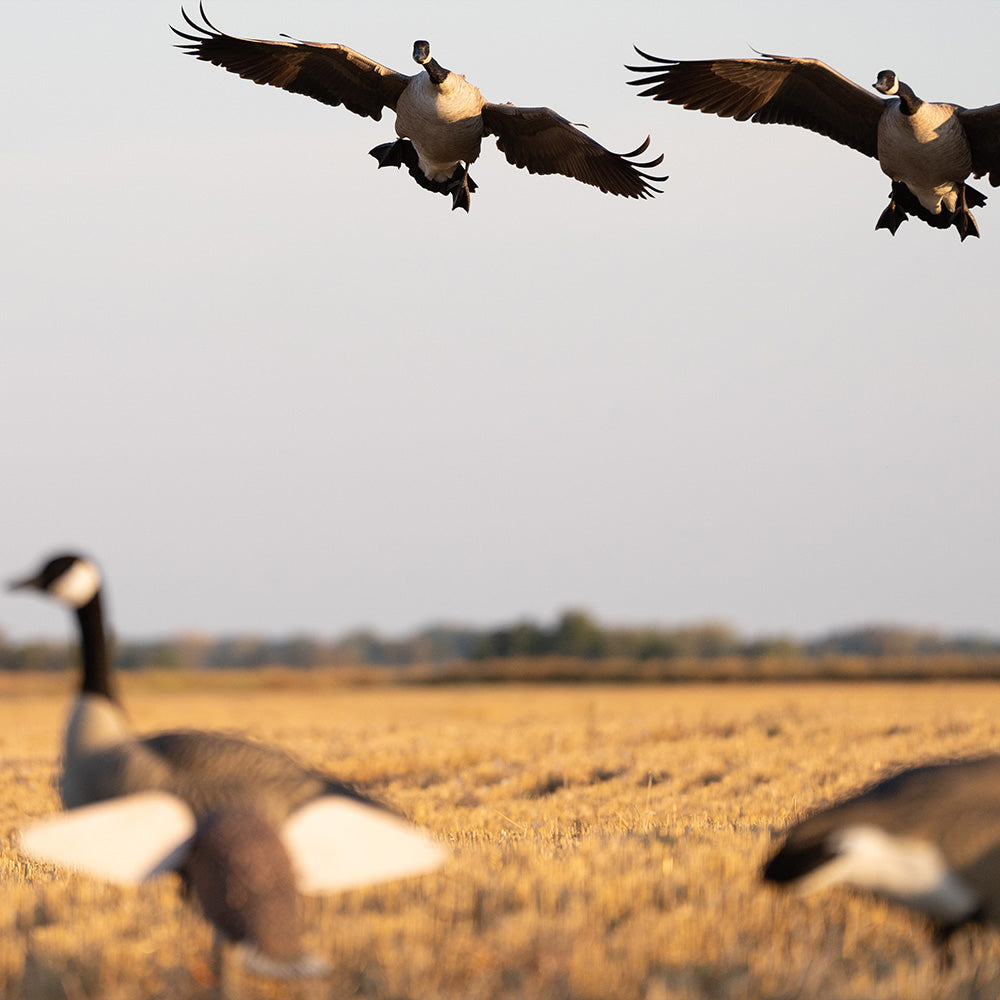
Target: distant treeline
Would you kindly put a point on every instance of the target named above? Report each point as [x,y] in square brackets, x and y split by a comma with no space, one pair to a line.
[574,637]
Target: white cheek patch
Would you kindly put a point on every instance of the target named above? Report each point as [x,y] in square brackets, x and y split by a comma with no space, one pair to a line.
[78,584]
[909,871]
[894,89]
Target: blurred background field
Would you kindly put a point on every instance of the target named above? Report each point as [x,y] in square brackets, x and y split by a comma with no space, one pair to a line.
[607,840]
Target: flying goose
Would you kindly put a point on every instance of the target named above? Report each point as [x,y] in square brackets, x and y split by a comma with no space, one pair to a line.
[926,149]
[927,837]
[247,825]
[440,117]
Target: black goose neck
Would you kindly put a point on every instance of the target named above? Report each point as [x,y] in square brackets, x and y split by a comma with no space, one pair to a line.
[909,103]
[94,649]
[436,71]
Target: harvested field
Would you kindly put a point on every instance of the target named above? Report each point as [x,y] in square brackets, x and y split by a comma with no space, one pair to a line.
[607,842]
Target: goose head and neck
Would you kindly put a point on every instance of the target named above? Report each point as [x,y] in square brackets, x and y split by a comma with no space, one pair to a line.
[891,85]
[97,720]
[76,582]
[422,56]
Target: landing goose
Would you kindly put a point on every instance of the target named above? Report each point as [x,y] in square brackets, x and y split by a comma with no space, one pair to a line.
[927,837]
[441,118]
[247,825]
[926,149]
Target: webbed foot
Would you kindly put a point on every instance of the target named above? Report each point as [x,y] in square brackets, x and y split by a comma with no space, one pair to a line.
[892,218]
[395,154]
[462,186]
[895,213]
[965,223]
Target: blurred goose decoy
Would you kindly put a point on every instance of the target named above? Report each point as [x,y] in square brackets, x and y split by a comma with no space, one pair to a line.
[926,149]
[927,837]
[247,825]
[441,119]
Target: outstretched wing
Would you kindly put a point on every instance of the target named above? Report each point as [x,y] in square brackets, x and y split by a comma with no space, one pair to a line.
[982,128]
[337,843]
[546,143]
[327,72]
[125,840]
[773,90]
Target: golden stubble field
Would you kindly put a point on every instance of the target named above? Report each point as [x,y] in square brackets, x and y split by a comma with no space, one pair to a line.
[606,843]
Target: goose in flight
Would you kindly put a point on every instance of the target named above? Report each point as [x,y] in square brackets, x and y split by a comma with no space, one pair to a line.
[927,837]
[247,825]
[927,150]
[441,118]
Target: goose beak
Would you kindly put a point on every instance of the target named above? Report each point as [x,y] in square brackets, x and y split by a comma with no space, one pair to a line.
[31,581]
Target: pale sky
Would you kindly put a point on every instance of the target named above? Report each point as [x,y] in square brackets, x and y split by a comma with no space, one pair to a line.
[273,389]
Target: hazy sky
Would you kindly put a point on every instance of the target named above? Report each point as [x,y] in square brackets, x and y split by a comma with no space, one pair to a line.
[273,389]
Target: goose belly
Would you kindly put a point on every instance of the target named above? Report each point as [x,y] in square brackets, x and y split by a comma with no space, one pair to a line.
[443,123]
[928,152]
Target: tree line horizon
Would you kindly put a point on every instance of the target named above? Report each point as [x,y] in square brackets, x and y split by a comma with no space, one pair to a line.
[574,635]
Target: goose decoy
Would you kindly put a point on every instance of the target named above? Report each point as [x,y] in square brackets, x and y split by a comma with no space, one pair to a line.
[441,118]
[247,825]
[927,837]
[926,149]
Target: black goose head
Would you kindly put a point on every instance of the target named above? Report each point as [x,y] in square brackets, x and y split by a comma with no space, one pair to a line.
[891,85]
[887,82]
[76,582]
[422,56]
[70,578]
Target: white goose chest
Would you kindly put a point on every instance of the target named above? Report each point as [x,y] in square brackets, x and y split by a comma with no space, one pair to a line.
[928,151]
[443,122]
[95,724]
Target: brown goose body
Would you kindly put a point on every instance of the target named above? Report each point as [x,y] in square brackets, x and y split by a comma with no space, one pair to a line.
[228,783]
[927,837]
[441,118]
[444,122]
[243,822]
[207,770]
[928,150]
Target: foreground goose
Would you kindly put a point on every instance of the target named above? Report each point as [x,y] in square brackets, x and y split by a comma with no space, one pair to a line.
[440,117]
[927,149]
[247,825]
[928,837]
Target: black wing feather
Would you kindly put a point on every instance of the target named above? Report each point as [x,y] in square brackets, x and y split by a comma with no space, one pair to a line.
[982,128]
[326,72]
[543,142]
[772,90]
